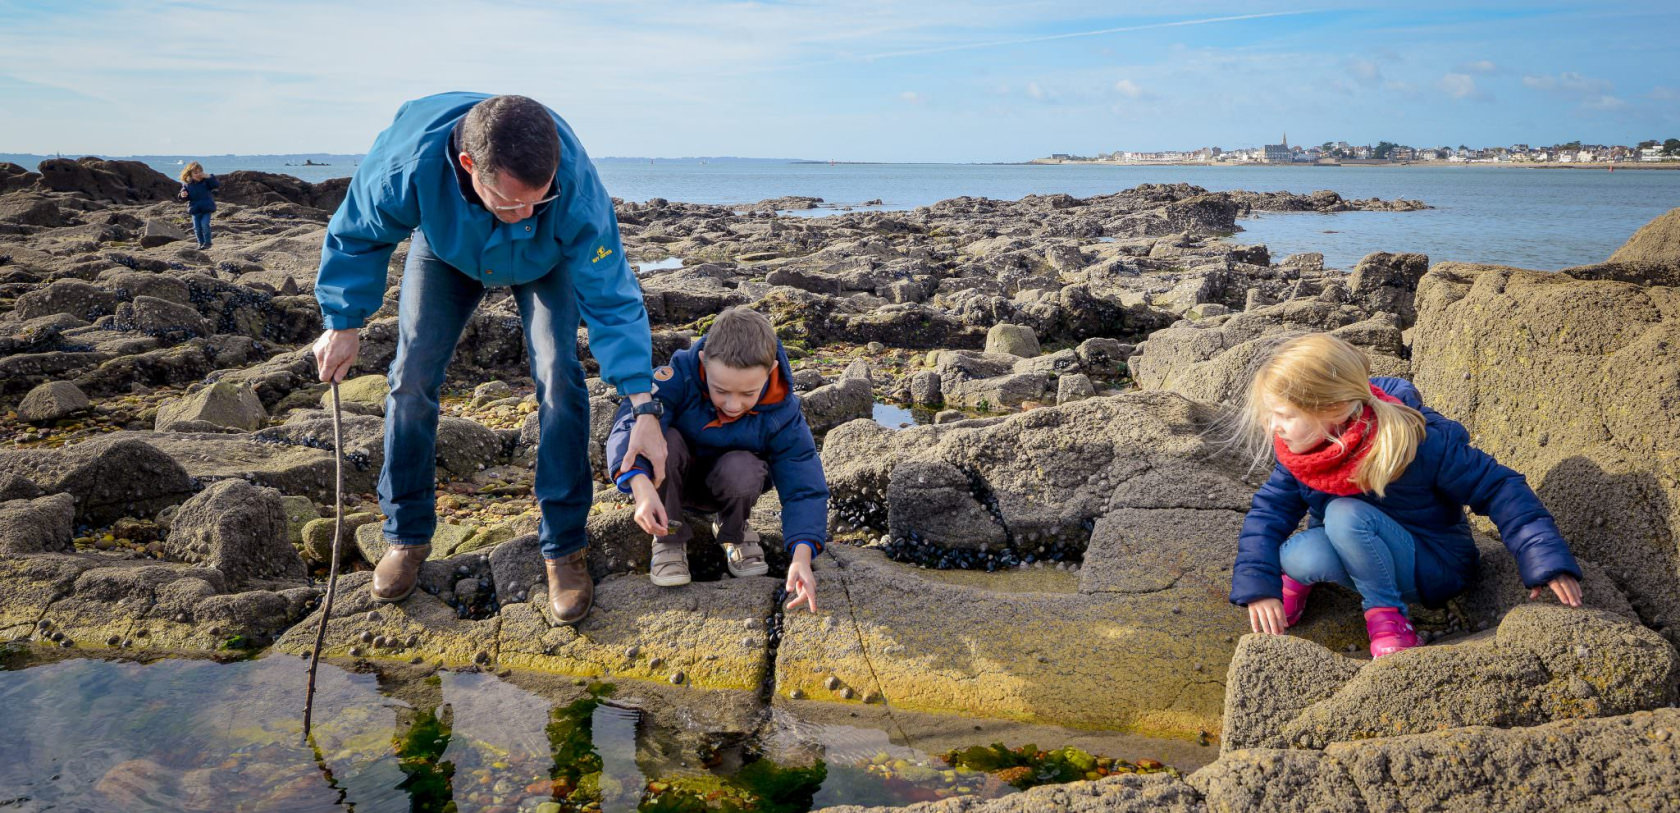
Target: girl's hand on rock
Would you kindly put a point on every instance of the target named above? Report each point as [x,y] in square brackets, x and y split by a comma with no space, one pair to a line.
[1266,615]
[1568,590]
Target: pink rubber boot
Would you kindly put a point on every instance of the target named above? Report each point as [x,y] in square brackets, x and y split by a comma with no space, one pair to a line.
[1390,632]
[1294,600]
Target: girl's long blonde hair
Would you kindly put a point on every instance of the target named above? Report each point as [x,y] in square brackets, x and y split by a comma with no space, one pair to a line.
[188,170]
[1330,380]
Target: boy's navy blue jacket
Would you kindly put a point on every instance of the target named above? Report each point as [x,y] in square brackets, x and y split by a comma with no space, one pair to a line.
[775,430]
[199,199]
[1428,499]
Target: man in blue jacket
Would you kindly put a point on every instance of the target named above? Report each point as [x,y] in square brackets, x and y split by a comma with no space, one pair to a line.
[733,427]
[493,191]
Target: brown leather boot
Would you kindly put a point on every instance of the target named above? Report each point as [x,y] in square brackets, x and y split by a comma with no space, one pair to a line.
[398,572]
[570,590]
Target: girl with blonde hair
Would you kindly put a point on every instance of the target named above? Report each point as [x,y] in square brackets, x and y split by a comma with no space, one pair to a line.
[1385,481]
[196,189]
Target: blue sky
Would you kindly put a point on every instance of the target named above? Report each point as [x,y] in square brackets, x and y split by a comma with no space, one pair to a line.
[861,80]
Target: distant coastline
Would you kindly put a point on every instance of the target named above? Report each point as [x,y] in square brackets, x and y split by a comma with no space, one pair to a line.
[1602,166]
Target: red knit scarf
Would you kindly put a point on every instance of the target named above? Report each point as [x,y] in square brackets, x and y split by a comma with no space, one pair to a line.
[1329,467]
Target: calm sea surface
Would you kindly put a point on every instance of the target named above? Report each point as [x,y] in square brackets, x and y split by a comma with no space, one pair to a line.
[1534,218]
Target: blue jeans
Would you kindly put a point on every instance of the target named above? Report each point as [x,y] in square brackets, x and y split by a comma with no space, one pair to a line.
[201,228]
[433,307]
[1358,547]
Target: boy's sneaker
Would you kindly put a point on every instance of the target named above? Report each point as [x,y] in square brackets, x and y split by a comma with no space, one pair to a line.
[745,558]
[1389,630]
[669,567]
[1294,601]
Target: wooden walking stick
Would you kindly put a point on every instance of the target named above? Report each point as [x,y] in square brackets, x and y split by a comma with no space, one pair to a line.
[332,570]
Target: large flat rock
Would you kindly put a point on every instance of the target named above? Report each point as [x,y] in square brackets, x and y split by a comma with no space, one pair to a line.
[441,637]
[1571,382]
[1150,663]
[208,457]
[1629,762]
[713,633]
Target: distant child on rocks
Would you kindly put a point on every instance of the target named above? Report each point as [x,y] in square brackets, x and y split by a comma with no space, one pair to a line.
[733,428]
[196,189]
[1385,480]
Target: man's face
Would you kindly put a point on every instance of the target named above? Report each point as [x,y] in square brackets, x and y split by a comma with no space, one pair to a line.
[734,390]
[505,196]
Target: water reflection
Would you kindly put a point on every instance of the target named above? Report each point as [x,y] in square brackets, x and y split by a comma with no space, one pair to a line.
[189,735]
[893,416]
[645,268]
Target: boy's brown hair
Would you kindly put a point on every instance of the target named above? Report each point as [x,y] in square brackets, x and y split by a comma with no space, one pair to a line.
[742,337]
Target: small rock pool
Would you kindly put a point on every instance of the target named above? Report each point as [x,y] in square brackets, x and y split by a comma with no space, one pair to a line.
[201,735]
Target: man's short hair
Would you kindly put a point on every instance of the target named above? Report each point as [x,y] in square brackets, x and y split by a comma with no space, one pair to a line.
[741,338]
[512,134]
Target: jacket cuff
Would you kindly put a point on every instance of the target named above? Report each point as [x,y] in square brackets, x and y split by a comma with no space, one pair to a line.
[815,546]
[335,321]
[623,480]
[635,384]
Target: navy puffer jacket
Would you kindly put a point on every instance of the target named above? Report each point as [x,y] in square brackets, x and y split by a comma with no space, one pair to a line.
[199,199]
[1428,499]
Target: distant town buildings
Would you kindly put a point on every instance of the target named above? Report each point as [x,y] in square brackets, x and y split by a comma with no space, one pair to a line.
[1279,153]
[1331,152]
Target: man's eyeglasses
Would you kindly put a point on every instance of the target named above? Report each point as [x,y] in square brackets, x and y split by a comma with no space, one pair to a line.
[514,207]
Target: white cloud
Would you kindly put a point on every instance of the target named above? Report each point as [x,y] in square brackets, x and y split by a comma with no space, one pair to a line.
[1458,85]
[1568,83]
[1036,92]
[913,97]
[1128,89]
[1592,94]
[1483,66]
[1663,93]
[970,46]
[1364,70]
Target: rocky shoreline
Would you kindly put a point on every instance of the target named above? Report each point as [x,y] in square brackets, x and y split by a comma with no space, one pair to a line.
[168,475]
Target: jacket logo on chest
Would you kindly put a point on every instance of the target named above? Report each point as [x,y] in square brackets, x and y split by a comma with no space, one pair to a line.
[601,253]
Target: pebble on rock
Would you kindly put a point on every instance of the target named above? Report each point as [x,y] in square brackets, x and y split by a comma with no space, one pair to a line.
[677,678]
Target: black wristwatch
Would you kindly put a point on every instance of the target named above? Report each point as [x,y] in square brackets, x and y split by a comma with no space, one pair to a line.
[654,407]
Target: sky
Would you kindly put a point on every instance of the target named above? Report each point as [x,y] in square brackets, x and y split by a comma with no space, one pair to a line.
[847,80]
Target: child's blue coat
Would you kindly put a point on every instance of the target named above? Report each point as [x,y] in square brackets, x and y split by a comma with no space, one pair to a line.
[774,430]
[1428,499]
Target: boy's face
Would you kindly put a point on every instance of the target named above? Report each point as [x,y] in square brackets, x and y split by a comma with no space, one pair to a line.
[733,390]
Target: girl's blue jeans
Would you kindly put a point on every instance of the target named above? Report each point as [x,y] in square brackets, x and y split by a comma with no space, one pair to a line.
[432,310]
[1358,547]
[201,227]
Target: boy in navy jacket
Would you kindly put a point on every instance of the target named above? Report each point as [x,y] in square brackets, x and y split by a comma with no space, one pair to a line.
[733,428]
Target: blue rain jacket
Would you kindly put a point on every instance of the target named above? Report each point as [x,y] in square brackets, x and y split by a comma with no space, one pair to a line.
[408,181]
[1428,499]
[199,199]
[775,430]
